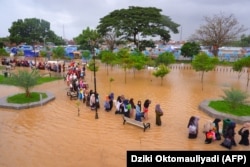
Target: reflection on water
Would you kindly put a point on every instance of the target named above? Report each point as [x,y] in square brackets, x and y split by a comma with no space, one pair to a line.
[53,135]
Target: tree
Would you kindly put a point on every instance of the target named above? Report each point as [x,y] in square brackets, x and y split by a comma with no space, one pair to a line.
[123,58]
[243,42]
[107,57]
[202,62]
[243,62]
[32,30]
[25,79]
[92,66]
[86,55]
[88,39]
[146,43]
[161,71]
[238,66]
[143,21]
[111,40]
[3,52]
[58,52]
[218,31]
[165,58]
[138,60]
[189,49]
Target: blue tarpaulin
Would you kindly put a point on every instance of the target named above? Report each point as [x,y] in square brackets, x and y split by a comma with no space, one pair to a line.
[29,51]
[69,50]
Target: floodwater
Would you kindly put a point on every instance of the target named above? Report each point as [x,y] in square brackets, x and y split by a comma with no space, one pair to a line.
[53,135]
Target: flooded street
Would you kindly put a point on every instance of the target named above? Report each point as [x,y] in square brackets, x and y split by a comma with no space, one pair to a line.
[53,135]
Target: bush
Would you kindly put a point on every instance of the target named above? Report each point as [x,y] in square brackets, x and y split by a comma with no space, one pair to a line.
[3,52]
[235,97]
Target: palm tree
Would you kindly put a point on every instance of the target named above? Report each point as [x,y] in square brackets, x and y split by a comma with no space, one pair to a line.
[25,80]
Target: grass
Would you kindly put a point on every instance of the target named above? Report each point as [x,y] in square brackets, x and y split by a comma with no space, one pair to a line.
[224,107]
[41,80]
[22,99]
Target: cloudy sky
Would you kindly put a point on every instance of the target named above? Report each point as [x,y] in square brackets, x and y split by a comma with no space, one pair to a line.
[69,17]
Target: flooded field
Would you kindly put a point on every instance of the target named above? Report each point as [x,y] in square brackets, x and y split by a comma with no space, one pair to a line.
[53,135]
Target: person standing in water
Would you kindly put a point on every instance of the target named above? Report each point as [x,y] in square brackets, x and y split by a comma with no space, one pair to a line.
[159,113]
[146,104]
[244,133]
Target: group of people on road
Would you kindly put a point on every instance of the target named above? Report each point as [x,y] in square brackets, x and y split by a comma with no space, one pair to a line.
[212,132]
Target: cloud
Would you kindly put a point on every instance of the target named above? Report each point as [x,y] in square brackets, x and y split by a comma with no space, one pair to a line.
[69,17]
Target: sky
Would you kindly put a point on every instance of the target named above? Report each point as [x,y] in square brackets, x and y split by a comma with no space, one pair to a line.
[68,18]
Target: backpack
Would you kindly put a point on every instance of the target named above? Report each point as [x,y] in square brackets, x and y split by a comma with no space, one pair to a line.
[192,129]
[209,135]
[106,105]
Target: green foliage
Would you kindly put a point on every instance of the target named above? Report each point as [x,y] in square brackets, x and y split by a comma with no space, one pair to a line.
[58,53]
[86,54]
[165,58]
[146,43]
[88,39]
[1,43]
[128,23]
[25,80]
[245,61]
[43,53]
[243,42]
[161,71]
[21,98]
[41,80]
[30,30]
[225,107]
[139,60]
[189,49]
[107,56]
[202,62]
[92,66]
[3,52]
[239,64]
[235,97]
[123,58]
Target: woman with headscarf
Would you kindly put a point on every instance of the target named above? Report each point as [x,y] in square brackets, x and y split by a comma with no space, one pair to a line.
[127,107]
[107,104]
[111,100]
[217,128]
[159,113]
[146,104]
[132,109]
[92,101]
[138,113]
[209,130]
[244,133]
[229,136]
[119,105]
[193,127]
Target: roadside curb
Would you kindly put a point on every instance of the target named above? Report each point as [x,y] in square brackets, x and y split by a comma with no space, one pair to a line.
[215,114]
[5,104]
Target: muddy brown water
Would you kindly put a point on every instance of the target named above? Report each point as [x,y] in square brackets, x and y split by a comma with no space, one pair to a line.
[54,135]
